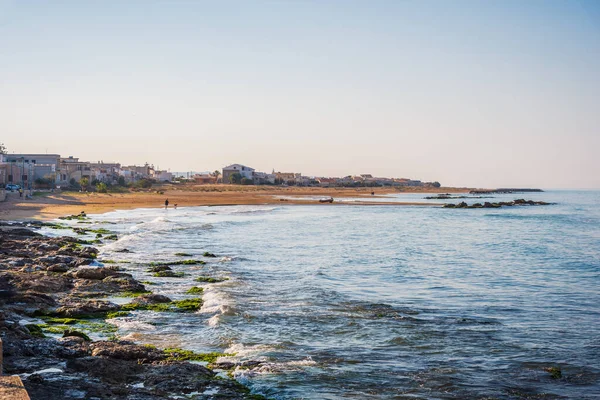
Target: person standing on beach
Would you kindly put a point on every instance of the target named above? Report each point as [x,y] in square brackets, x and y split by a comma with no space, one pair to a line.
[166,203]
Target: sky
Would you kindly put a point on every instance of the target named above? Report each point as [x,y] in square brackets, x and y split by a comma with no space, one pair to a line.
[468,93]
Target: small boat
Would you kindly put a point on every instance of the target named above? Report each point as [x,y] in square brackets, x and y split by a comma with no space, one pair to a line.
[329,200]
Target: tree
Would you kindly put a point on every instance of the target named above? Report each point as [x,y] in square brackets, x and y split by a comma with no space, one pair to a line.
[121,181]
[101,187]
[246,181]
[436,184]
[236,178]
[2,148]
[84,182]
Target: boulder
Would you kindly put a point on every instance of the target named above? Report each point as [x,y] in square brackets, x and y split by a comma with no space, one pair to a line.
[85,308]
[151,299]
[126,351]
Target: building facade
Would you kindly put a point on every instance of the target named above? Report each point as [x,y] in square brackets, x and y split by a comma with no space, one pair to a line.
[24,169]
[244,171]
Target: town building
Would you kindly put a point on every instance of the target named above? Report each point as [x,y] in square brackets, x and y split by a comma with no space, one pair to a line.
[24,169]
[106,172]
[72,170]
[163,176]
[244,171]
[204,178]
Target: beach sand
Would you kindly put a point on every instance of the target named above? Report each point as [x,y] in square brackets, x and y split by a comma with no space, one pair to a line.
[46,206]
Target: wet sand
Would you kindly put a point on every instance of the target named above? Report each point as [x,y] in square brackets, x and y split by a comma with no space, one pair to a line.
[46,206]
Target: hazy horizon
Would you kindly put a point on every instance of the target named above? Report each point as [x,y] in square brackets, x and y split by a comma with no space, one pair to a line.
[467,93]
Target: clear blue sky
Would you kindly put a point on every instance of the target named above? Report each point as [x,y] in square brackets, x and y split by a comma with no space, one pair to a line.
[470,93]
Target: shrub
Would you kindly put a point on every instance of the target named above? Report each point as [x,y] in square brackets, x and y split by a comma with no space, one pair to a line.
[235,178]
[101,187]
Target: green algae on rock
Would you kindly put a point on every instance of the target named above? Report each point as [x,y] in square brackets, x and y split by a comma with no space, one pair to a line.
[195,290]
[209,279]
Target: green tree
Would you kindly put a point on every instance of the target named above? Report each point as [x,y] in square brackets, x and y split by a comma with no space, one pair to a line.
[216,174]
[246,181]
[121,181]
[436,184]
[101,187]
[2,148]
[84,182]
[235,178]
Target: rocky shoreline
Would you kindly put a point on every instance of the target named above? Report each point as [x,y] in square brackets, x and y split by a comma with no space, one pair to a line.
[48,288]
[518,202]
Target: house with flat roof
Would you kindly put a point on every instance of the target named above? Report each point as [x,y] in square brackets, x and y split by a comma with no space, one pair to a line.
[24,169]
[244,171]
[70,168]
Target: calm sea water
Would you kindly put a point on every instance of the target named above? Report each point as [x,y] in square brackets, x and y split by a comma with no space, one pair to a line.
[383,302]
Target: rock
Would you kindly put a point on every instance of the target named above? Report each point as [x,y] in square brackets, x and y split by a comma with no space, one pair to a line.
[85,308]
[180,377]
[32,268]
[108,369]
[159,268]
[151,299]
[126,351]
[58,268]
[40,282]
[96,273]
[73,332]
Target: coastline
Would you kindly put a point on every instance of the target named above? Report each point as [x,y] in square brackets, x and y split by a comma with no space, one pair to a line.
[48,206]
[53,286]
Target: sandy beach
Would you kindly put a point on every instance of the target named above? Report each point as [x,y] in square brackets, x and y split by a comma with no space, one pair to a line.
[46,206]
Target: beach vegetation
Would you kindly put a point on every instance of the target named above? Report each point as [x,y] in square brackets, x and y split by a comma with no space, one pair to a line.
[195,290]
[179,262]
[84,183]
[72,332]
[80,217]
[168,274]
[59,320]
[116,314]
[183,254]
[188,305]
[176,354]
[35,330]
[101,187]
[144,183]
[209,279]
[235,178]
[133,294]
[209,254]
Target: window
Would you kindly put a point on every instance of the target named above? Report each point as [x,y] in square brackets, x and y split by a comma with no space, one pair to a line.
[10,178]
[24,177]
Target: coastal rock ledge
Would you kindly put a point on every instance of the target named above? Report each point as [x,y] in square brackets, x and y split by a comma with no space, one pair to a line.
[43,277]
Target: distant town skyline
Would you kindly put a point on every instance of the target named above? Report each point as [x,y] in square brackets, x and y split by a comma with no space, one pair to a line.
[476,94]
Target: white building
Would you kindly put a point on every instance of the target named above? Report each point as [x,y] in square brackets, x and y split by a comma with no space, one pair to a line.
[244,171]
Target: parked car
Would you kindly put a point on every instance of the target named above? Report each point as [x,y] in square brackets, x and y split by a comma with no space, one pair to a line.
[12,187]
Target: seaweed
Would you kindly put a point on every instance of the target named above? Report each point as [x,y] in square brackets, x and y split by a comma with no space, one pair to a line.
[176,354]
[72,332]
[168,274]
[195,290]
[209,279]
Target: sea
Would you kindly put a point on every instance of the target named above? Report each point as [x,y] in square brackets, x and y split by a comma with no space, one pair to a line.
[379,302]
